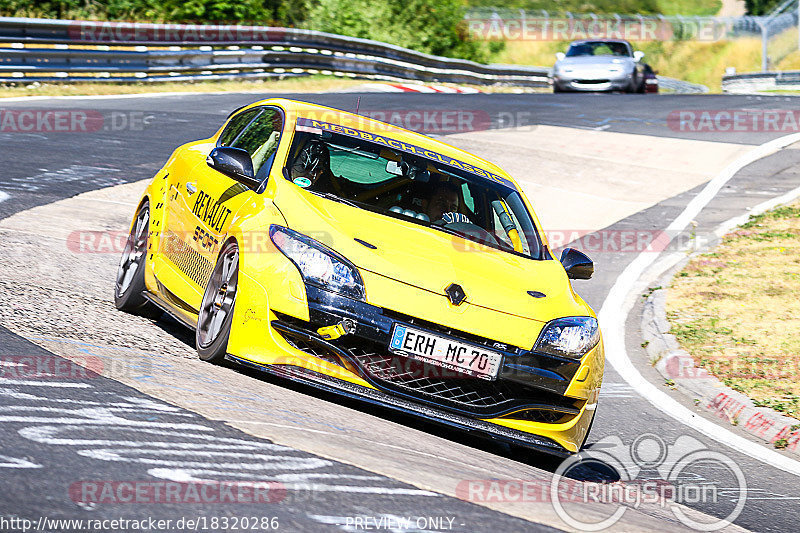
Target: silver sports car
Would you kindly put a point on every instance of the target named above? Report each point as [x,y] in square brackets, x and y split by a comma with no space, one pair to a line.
[599,65]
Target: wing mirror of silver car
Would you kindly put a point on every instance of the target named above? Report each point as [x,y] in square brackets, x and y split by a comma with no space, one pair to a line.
[234,163]
[577,264]
[638,55]
[560,56]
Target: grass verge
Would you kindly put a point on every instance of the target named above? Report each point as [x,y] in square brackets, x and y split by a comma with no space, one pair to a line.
[736,309]
[307,84]
[298,84]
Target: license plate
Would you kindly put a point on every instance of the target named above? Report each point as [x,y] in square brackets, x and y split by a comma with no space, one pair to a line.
[444,352]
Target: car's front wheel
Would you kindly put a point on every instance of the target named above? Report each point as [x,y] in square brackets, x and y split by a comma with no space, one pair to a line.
[130,287]
[216,309]
[634,85]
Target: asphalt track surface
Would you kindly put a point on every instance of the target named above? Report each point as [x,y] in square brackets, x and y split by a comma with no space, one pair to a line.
[40,168]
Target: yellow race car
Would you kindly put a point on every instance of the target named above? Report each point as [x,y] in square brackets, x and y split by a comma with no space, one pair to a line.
[373,262]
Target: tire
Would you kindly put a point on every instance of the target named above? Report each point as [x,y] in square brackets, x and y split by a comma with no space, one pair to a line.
[216,309]
[129,287]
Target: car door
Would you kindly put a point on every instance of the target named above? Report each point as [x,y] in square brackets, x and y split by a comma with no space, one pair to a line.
[180,267]
[219,197]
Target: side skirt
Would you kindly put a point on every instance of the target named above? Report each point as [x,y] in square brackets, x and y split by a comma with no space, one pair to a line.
[184,318]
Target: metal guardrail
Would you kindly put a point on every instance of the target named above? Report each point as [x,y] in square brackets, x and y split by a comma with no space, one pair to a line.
[69,51]
[671,85]
[82,51]
[761,82]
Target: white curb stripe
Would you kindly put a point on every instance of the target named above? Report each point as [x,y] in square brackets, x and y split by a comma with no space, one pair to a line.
[617,305]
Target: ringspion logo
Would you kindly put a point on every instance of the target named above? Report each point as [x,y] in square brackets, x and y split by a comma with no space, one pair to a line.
[648,471]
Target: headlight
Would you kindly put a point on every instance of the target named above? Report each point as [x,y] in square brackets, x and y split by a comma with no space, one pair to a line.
[318,264]
[569,337]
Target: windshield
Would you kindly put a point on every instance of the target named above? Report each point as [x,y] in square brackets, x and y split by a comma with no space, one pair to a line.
[599,48]
[412,188]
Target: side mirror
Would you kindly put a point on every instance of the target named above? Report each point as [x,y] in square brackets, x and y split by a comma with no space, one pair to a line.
[560,56]
[234,163]
[414,173]
[638,55]
[577,264]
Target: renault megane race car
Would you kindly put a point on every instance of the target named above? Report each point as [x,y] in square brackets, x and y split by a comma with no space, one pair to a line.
[373,262]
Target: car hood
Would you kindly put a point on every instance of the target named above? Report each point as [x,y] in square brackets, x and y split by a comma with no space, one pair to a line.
[431,260]
[595,62]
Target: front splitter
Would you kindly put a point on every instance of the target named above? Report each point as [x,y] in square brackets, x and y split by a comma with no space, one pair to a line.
[350,390]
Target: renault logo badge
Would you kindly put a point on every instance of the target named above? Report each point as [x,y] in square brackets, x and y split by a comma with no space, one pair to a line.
[455,294]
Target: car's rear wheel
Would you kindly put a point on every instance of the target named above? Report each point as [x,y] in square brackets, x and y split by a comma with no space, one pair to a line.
[216,309]
[129,288]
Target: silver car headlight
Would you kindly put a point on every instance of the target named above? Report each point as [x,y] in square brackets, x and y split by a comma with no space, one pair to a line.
[569,337]
[318,264]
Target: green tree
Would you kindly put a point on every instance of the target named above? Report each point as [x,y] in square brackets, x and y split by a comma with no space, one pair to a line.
[430,26]
[761,7]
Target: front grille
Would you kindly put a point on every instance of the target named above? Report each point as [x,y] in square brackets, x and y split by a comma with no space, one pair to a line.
[450,389]
[542,416]
[430,384]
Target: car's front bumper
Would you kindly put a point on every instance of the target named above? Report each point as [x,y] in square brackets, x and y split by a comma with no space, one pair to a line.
[538,401]
[591,83]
